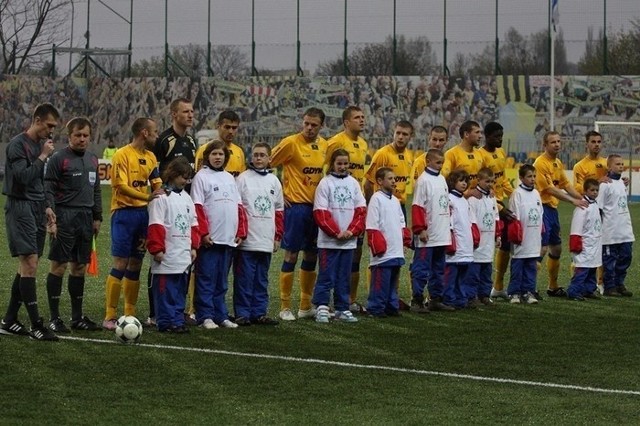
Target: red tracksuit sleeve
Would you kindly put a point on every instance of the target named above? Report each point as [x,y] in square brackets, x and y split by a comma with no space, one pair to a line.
[279,225]
[418,219]
[325,221]
[195,237]
[475,233]
[499,228]
[203,221]
[243,223]
[514,232]
[407,238]
[575,243]
[356,227]
[155,238]
[377,242]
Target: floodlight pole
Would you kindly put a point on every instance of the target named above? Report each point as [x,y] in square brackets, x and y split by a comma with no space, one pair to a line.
[73,14]
[209,69]
[605,42]
[299,70]
[345,56]
[166,41]
[87,35]
[497,70]
[394,66]
[445,69]
[130,39]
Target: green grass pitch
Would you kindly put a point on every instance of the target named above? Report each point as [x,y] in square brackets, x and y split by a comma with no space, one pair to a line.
[313,374]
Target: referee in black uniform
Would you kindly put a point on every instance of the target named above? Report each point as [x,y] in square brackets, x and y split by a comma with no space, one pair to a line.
[27,217]
[72,189]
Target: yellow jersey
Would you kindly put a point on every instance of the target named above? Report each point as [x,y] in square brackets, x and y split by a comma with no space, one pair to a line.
[419,164]
[357,150]
[137,170]
[458,158]
[401,164]
[302,166]
[497,162]
[549,173]
[236,163]
[588,168]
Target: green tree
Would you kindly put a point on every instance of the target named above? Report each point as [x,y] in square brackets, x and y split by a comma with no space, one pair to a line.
[622,48]
[414,56]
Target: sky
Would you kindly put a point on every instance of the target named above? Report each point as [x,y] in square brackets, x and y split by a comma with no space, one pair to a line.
[470,24]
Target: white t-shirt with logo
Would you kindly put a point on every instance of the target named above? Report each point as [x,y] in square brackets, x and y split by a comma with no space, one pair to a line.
[339,196]
[587,224]
[385,215]
[461,219]
[616,220]
[262,198]
[432,194]
[218,194]
[177,215]
[527,207]
[485,210]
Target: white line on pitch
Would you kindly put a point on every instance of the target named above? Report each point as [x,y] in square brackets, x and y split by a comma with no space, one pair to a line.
[373,367]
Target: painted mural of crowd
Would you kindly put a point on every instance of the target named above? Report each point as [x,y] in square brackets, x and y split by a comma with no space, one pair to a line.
[270,106]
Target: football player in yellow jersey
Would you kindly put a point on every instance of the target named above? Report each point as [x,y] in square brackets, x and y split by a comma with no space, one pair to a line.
[593,165]
[302,157]
[553,185]
[437,140]
[227,126]
[134,169]
[398,158]
[351,141]
[494,158]
[464,155]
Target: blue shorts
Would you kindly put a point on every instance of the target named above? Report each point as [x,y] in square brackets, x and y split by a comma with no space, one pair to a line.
[551,220]
[300,230]
[129,232]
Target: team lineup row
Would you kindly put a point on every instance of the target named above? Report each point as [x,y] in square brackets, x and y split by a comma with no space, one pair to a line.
[230,213]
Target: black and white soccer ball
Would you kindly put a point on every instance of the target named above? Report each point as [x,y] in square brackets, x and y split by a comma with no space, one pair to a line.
[128,329]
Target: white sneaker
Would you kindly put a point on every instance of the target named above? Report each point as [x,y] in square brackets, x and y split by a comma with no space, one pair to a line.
[322,314]
[228,324]
[600,289]
[150,322]
[531,299]
[209,324]
[499,294]
[345,316]
[308,313]
[514,299]
[287,315]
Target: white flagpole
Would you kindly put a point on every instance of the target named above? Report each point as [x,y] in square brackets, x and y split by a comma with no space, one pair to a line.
[552,86]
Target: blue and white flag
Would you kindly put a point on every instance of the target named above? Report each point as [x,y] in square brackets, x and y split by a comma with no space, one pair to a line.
[555,13]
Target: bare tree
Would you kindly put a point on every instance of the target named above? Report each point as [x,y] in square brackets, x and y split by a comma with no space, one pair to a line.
[28,29]
[228,60]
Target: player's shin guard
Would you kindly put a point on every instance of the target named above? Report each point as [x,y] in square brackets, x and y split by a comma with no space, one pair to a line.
[191,292]
[114,283]
[502,262]
[131,289]
[286,284]
[553,266]
[307,282]
[76,294]
[30,298]
[54,290]
[15,301]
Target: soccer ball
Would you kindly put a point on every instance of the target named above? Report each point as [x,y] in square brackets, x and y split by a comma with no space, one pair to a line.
[128,329]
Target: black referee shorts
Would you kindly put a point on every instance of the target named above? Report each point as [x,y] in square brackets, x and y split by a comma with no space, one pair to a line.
[26,224]
[74,235]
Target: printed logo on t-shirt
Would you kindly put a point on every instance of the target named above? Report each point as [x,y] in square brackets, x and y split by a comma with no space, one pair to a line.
[342,195]
[262,204]
[534,217]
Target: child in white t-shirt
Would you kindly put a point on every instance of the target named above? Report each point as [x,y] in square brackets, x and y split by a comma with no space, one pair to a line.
[223,226]
[464,238]
[485,210]
[617,231]
[262,198]
[585,244]
[339,210]
[172,240]
[386,235]
[525,234]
